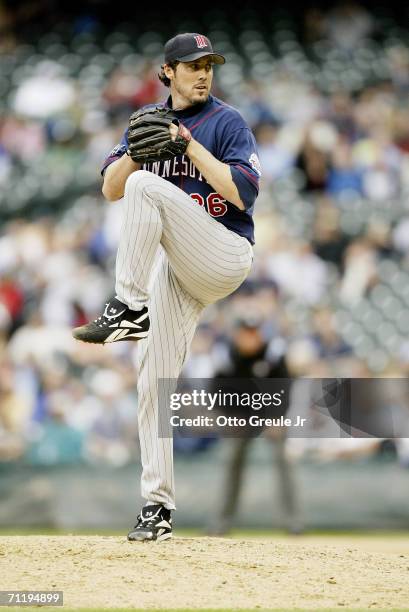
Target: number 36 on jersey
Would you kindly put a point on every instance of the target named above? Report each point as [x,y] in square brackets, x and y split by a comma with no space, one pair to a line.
[214,203]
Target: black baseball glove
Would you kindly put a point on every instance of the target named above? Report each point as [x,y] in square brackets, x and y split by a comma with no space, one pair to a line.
[149,139]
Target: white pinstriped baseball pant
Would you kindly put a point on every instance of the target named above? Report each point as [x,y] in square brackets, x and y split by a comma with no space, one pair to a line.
[200,262]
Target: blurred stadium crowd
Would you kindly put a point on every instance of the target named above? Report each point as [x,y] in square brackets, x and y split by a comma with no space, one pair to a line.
[329,292]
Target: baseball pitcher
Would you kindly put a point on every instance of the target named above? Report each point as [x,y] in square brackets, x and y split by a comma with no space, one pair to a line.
[188,173]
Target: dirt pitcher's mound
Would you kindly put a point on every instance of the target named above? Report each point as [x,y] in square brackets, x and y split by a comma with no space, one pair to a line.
[96,571]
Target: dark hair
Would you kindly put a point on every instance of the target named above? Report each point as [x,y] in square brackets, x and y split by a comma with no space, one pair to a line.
[162,76]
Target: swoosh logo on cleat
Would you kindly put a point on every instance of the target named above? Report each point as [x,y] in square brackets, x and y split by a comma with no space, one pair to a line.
[163,523]
[123,334]
[142,318]
[129,324]
[114,336]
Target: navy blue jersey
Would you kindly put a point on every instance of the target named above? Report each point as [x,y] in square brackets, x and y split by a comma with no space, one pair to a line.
[223,132]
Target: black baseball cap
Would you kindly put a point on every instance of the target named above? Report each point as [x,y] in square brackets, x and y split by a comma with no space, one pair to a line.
[189,47]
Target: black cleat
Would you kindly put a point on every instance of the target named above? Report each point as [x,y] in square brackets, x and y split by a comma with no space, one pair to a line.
[118,322]
[153,523]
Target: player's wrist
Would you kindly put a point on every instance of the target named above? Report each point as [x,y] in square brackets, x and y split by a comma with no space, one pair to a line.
[130,162]
[184,134]
[191,147]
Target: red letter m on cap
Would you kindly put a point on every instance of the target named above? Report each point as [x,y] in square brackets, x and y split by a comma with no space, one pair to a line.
[201,41]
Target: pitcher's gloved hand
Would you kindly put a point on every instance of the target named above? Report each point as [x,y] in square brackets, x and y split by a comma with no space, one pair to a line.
[149,138]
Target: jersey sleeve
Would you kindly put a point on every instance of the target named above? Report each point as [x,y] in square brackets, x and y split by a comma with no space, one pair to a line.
[239,150]
[117,152]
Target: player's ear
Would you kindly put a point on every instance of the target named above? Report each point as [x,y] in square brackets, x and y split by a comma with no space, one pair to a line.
[168,70]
